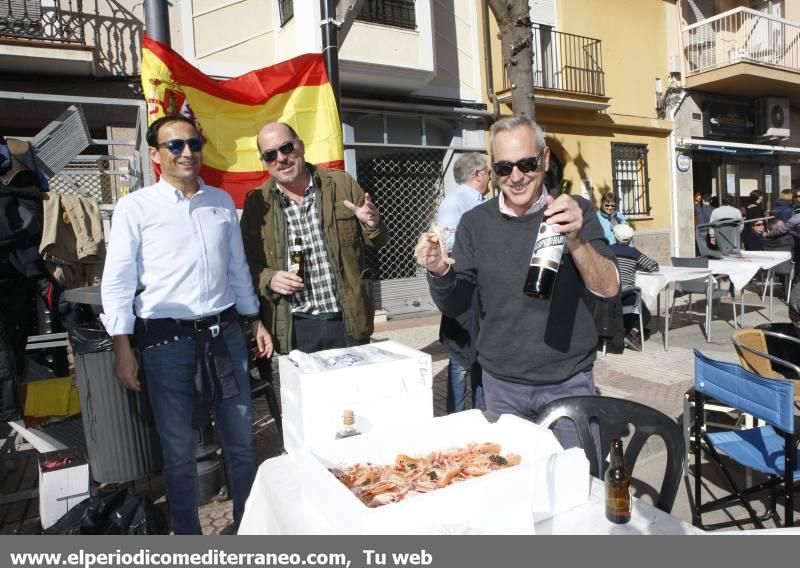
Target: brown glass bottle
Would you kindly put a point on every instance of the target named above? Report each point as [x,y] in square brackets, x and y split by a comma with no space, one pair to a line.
[545,261]
[618,486]
[297,261]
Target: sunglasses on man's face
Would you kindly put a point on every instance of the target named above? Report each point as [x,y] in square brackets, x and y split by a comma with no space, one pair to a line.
[270,156]
[525,165]
[177,145]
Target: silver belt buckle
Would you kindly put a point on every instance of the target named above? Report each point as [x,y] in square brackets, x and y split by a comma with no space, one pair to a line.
[214,329]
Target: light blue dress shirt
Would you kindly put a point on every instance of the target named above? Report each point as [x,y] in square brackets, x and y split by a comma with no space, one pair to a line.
[186,255]
[453,206]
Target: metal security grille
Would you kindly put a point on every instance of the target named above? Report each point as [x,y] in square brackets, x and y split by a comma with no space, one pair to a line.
[286,9]
[631,180]
[86,179]
[398,13]
[407,187]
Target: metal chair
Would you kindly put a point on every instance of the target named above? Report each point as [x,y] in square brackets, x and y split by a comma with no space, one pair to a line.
[701,236]
[635,308]
[613,415]
[728,234]
[763,448]
[708,286]
[753,350]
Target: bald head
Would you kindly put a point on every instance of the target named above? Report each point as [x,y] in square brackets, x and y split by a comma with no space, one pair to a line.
[283,155]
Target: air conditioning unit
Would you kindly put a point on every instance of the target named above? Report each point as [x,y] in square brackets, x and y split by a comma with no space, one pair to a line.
[772,118]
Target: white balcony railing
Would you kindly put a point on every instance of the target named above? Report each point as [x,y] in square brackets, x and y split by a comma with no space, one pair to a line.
[742,35]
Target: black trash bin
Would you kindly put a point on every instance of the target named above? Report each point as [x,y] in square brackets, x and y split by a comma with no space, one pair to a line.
[121,444]
[786,350]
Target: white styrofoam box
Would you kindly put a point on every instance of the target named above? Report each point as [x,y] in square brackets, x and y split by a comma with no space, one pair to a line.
[382,395]
[63,486]
[502,502]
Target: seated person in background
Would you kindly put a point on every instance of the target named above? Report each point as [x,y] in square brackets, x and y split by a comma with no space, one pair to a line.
[782,208]
[725,212]
[629,260]
[609,217]
[754,237]
[755,209]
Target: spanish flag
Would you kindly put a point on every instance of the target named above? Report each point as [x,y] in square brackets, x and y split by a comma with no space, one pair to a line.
[229,113]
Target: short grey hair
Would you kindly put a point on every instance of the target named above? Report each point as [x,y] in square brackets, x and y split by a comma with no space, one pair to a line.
[468,164]
[512,122]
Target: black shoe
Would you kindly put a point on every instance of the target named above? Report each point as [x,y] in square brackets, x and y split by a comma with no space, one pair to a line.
[633,341]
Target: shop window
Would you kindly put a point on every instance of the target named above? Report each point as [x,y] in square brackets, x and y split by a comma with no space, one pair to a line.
[397,13]
[286,9]
[631,182]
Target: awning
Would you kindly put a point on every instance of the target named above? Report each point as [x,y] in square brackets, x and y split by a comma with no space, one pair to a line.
[735,147]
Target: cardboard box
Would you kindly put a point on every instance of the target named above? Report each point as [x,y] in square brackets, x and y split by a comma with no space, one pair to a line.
[506,501]
[63,483]
[382,395]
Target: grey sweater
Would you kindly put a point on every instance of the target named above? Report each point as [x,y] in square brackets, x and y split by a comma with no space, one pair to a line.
[521,339]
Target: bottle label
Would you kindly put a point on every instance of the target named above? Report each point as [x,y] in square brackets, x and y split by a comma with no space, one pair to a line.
[548,248]
[294,267]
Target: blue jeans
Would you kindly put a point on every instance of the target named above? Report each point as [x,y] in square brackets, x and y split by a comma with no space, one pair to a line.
[169,372]
[457,386]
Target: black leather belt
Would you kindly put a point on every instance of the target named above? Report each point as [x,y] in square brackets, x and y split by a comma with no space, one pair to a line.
[203,324]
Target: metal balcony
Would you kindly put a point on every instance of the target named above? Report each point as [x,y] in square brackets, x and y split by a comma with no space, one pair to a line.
[742,35]
[43,20]
[566,62]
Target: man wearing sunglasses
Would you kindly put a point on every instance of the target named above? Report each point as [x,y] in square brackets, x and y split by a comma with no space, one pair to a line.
[331,306]
[532,351]
[176,260]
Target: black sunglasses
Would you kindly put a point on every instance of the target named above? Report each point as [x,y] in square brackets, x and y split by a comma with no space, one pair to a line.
[270,156]
[177,145]
[525,165]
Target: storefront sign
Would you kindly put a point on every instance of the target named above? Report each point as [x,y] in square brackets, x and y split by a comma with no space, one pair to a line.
[683,162]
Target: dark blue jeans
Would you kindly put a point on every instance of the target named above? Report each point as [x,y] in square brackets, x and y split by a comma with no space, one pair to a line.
[457,386]
[526,400]
[169,371]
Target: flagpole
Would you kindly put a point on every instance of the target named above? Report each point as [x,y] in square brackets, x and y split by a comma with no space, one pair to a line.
[330,47]
[156,20]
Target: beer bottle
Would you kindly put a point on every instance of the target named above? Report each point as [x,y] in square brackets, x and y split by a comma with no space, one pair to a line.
[618,486]
[348,422]
[545,261]
[297,262]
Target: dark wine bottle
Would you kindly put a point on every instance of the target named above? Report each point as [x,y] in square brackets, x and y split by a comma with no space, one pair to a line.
[618,486]
[545,261]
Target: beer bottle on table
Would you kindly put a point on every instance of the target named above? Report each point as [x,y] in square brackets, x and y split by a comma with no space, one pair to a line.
[545,261]
[618,486]
[297,261]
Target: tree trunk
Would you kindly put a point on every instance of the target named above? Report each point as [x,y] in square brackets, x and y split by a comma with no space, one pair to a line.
[513,19]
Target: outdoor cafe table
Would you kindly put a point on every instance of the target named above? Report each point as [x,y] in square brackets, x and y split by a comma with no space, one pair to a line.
[276,507]
[742,269]
[651,283]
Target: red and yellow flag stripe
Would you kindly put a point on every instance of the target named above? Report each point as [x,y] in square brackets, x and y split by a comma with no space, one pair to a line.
[229,113]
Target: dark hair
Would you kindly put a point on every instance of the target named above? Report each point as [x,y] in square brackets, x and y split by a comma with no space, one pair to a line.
[153,129]
[291,130]
[609,197]
[706,197]
[727,200]
[755,194]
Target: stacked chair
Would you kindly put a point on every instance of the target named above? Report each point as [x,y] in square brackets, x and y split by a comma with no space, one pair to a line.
[770,448]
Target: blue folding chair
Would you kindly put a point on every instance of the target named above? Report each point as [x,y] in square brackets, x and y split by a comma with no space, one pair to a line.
[762,448]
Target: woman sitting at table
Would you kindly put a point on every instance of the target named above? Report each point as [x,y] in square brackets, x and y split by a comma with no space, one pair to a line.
[629,260]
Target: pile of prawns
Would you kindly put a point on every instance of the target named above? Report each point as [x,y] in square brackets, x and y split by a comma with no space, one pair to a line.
[377,485]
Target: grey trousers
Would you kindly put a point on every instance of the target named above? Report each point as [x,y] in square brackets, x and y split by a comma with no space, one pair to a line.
[526,400]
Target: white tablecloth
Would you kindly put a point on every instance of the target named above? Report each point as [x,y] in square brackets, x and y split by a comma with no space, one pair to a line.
[651,283]
[276,506]
[742,269]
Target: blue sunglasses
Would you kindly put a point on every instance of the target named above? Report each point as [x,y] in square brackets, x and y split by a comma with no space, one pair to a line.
[177,145]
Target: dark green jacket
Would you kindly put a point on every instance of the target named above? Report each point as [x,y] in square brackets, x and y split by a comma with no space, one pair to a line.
[265,242]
